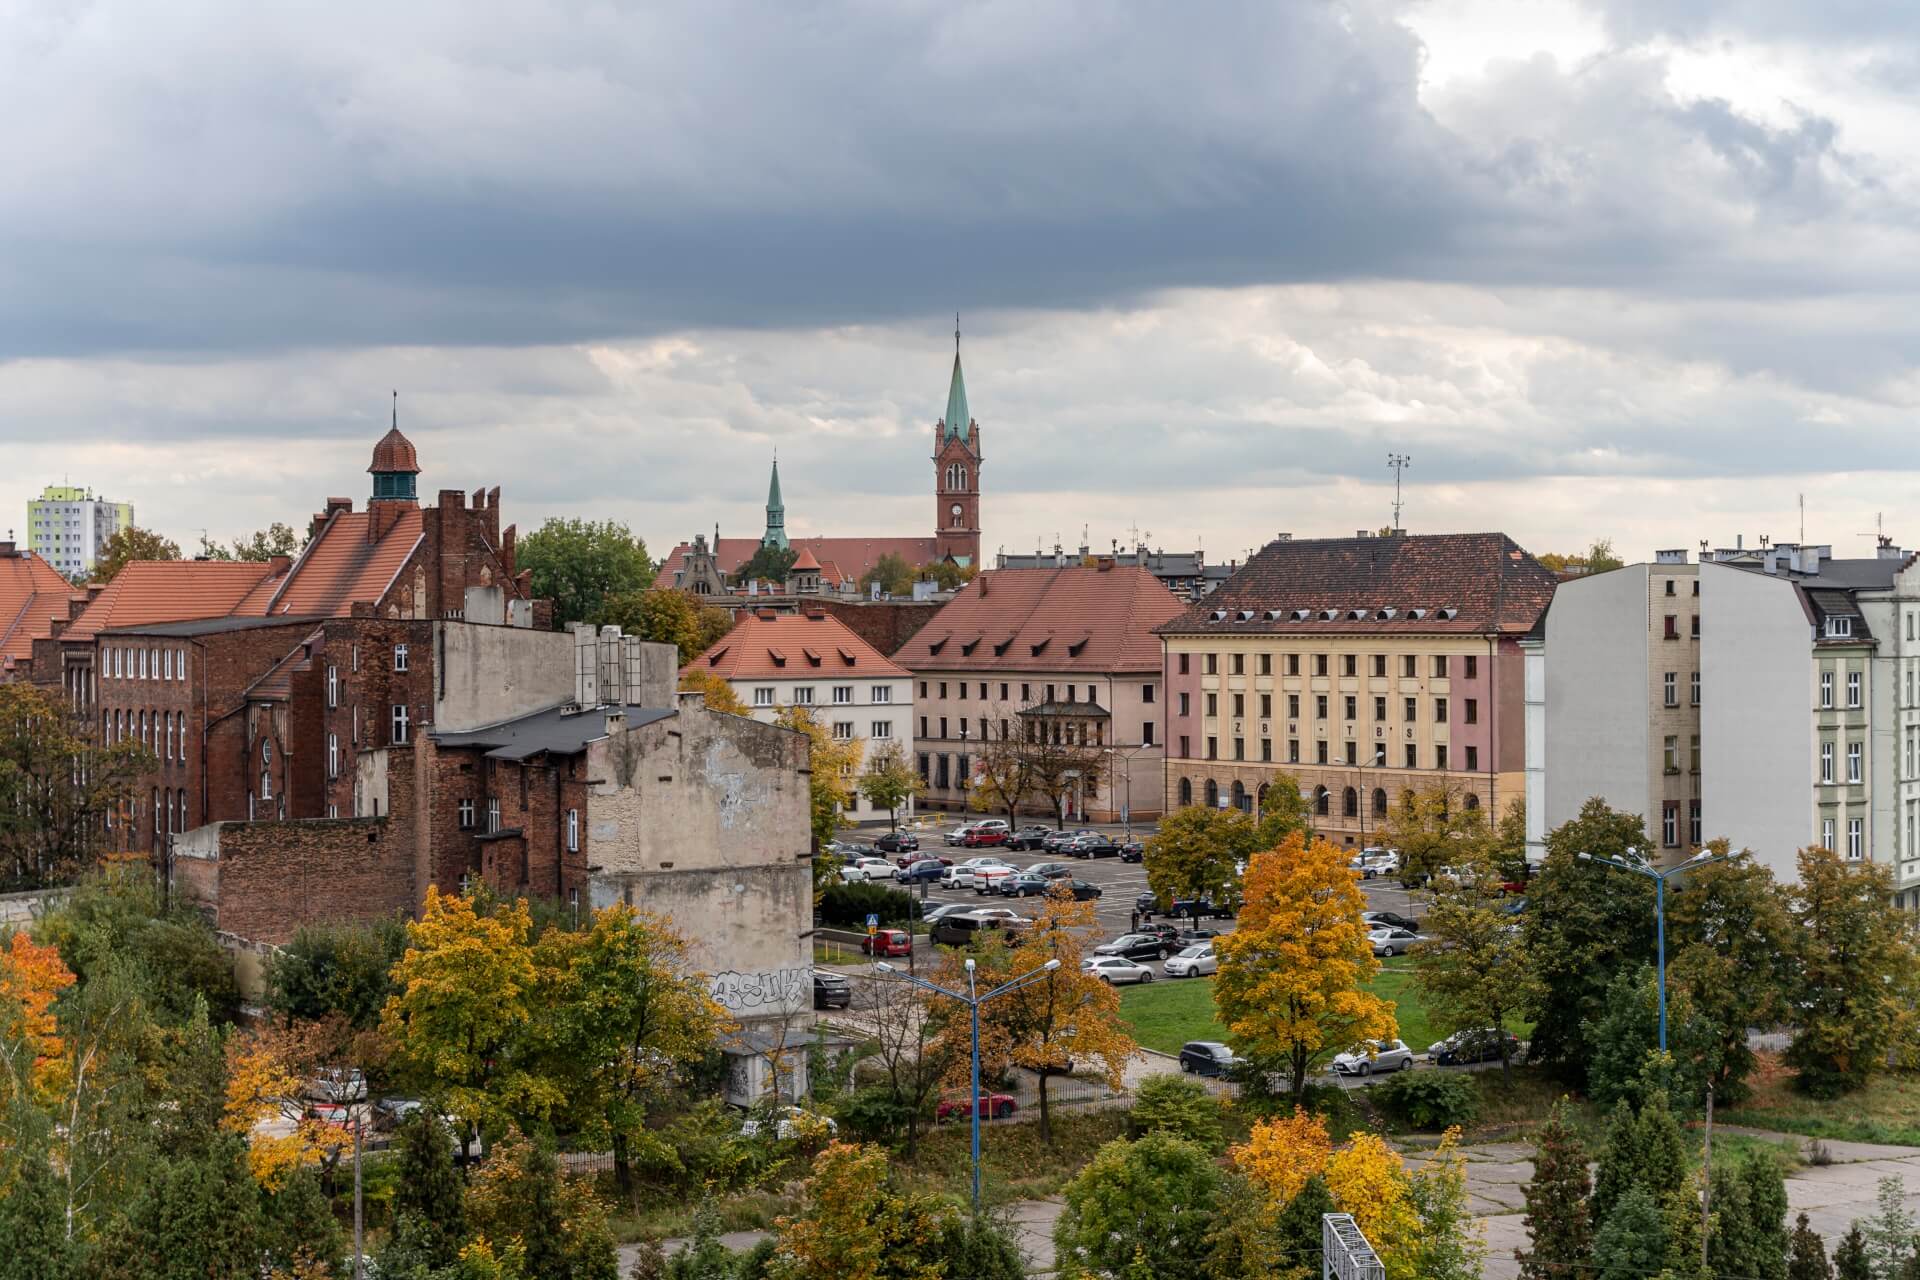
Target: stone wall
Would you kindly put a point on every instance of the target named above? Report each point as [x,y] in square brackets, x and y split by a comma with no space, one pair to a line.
[266,879]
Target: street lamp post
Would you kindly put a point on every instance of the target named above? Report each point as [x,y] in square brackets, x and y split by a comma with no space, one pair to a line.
[973,999]
[1642,867]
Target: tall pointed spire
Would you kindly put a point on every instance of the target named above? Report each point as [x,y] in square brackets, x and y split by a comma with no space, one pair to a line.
[776,534]
[957,415]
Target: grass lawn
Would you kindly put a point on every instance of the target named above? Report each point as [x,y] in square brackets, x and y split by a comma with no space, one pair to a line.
[1886,1110]
[1169,1012]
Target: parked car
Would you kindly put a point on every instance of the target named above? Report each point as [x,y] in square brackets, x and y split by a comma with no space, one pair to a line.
[391,1113]
[925,871]
[1195,961]
[1051,870]
[1513,906]
[1373,1056]
[985,837]
[898,842]
[1092,845]
[337,1084]
[831,990]
[1201,909]
[943,910]
[851,874]
[1145,903]
[991,1106]
[987,879]
[1388,941]
[961,875]
[960,833]
[1006,915]
[1478,1044]
[335,1115]
[1198,933]
[1133,851]
[1116,971]
[1136,946]
[874,869]
[1081,890]
[788,1121]
[887,942]
[1391,919]
[1057,841]
[1029,838]
[967,927]
[1208,1058]
[1024,885]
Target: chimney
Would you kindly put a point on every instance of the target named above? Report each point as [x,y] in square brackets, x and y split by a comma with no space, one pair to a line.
[6,548]
[277,565]
[766,615]
[1887,549]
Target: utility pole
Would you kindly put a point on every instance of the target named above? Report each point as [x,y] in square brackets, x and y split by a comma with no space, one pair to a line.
[1399,462]
[1706,1179]
[359,1253]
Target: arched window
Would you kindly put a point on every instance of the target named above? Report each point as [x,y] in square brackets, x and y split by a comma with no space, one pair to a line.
[1186,792]
[1350,803]
[1473,801]
[1239,796]
[1213,794]
[956,477]
[1379,802]
[1260,798]
[1322,799]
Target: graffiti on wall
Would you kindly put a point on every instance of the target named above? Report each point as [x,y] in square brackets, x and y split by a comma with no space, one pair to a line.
[767,991]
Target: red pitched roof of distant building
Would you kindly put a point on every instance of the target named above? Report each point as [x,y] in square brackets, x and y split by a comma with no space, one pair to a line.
[32,596]
[851,557]
[1477,583]
[340,566]
[149,591]
[805,562]
[793,646]
[1066,619]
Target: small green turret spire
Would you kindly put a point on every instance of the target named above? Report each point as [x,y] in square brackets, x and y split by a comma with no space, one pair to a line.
[776,534]
[957,415]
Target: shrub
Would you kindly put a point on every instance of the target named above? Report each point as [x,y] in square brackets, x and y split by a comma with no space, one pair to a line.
[1178,1106]
[846,906]
[1429,1099]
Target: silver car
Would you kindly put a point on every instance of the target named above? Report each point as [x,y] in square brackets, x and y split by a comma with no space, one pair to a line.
[1389,941]
[1195,961]
[1373,1056]
[1117,971]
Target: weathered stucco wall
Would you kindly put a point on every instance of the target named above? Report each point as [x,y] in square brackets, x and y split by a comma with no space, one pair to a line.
[703,817]
[492,674]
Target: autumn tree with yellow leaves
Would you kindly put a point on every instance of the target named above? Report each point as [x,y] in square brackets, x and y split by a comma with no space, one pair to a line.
[719,695]
[1291,982]
[266,1075]
[31,1051]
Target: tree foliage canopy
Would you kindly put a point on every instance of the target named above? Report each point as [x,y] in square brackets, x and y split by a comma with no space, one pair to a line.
[578,564]
[130,544]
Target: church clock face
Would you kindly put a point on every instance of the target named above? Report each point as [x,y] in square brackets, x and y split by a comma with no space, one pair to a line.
[955,509]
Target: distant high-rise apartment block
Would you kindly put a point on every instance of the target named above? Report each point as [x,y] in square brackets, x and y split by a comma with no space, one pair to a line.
[68,526]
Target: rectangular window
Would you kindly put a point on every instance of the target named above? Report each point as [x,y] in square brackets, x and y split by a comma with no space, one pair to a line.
[1853,689]
[762,696]
[399,657]
[1353,707]
[1266,706]
[1293,706]
[923,688]
[1473,667]
[1266,750]
[1440,666]
[1826,833]
[1239,664]
[1839,628]
[882,694]
[1026,696]
[1673,753]
[1239,748]
[1266,664]
[923,726]
[943,688]
[1826,763]
[333,686]
[1185,667]
[1670,686]
[1146,733]
[842,694]
[1693,688]
[943,726]
[1409,667]
[493,815]
[1473,711]
[1673,626]
[1856,842]
[1694,757]
[882,728]
[1693,626]
[333,755]
[1320,706]
[466,815]
[1380,664]
[399,722]
[1440,755]
[1353,753]
[843,730]
[1319,664]
[1146,693]
[1853,762]
[573,831]
[1439,710]
[1350,664]
[963,691]
[1293,751]
[1826,690]
[1293,664]
[1320,752]
[1670,585]
[1185,703]
[1213,664]
[1186,747]
[1213,748]
[166,664]
[1239,705]
[1213,704]
[1473,759]
[1412,710]
[803,695]
[1694,828]
[1380,709]
[1670,823]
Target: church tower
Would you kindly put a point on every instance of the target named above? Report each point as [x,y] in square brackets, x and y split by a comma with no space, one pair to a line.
[776,534]
[956,473]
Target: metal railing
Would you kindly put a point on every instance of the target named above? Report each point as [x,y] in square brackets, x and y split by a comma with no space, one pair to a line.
[1344,1251]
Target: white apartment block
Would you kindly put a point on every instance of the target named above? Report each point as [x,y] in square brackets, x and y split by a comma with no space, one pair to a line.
[68,526]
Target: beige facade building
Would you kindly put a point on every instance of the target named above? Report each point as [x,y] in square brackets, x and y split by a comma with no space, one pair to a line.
[1361,668]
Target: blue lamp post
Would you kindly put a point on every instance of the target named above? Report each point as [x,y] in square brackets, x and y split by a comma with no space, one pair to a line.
[1640,866]
[973,999]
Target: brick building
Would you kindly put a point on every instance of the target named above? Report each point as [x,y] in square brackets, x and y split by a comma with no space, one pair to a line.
[1073,646]
[1361,668]
[33,596]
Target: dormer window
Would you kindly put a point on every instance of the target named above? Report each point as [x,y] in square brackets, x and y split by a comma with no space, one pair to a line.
[1385,615]
[1356,615]
[813,659]
[1301,615]
[1448,615]
[1328,615]
[779,658]
[1839,627]
[1218,615]
[1414,615]
[1271,615]
[1246,615]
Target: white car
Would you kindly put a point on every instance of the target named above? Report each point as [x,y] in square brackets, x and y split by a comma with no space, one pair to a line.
[791,1119]
[1373,1056]
[961,875]
[1388,941]
[873,869]
[1117,971]
[1006,914]
[987,879]
[1380,861]
[1195,961]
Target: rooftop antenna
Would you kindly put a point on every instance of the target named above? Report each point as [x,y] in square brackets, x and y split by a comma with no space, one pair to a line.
[1399,462]
[1803,519]
[395,424]
[956,333]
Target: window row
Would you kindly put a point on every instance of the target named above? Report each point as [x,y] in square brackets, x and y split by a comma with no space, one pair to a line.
[1855,754]
[1856,837]
[1322,704]
[1670,824]
[1084,733]
[843,729]
[1051,692]
[1320,799]
[1439,665]
[1323,754]
[1670,688]
[162,732]
[1853,690]
[123,662]
[842,694]
[170,814]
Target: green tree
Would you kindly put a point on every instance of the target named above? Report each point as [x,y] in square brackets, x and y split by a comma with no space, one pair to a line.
[1139,1209]
[1660,1148]
[892,572]
[1632,1243]
[667,615]
[340,969]
[1584,923]
[1731,943]
[429,1209]
[855,1225]
[1600,556]
[1850,1256]
[579,563]
[1474,969]
[946,575]
[1433,828]
[1686,1234]
[831,769]
[58,785]
[519,1195]
[32,1208]
[1618,1166]
[767,564]
[890,780]
[1169,1103]
[1559,1226]
[1807,1254]
[1856,969]
[274,540]
[1749,1236]
[1889,1232]
[977,1248]
[1198,852]
[1627,1062]
[298,1228]
[130,544]
[196,1218]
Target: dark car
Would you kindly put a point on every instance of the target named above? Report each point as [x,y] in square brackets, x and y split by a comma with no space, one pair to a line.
[1133,851]
[1201,909]
[1092,845]
[961,930]
[1051,870]
[1391,919]
[925,871]
[1136,946]
[1057,841]
[1199,933]
[897,842]
[1029,838]
[831,990]
[1481,1044]
[1207,1058]
[1146,904]
[1081,890]
[1024,885]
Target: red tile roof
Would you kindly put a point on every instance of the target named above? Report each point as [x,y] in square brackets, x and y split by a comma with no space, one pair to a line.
[32,596]
[340,566]
[851,557]
[792,646]
[149,591]
[805,561]
[1067,619]
[1477,583]
[395,453]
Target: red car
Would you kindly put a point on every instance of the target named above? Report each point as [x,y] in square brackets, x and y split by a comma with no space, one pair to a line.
[888,942]
[906,860]
[992,1106]
[987,839]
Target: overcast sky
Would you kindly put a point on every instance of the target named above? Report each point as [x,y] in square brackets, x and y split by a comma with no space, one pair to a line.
[1646,269]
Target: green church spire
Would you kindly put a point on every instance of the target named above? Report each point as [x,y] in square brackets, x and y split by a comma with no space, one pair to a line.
[957,415]
[776,534]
